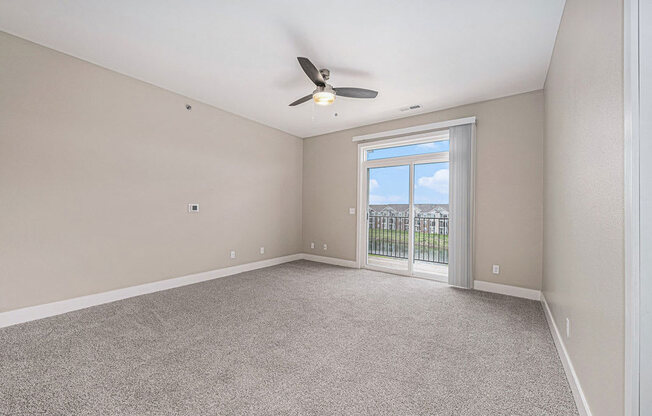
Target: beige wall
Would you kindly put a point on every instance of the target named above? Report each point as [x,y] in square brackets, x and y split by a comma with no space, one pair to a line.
[509,187]
[97,169]
[583,193]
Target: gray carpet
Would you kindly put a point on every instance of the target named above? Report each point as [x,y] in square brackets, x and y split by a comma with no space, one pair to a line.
[296,339]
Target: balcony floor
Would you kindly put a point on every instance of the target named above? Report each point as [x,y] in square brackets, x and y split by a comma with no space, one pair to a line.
[425,269]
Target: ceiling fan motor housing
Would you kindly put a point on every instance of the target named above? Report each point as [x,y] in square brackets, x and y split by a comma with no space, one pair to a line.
[325,73]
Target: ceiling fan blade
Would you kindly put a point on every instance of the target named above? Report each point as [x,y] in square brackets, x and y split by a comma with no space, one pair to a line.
[301,100]
[312,71]
[355,92]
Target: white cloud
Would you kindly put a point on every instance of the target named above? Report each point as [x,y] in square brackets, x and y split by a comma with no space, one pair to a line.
[437,182]
[373,184]
[383,199]
[427,145]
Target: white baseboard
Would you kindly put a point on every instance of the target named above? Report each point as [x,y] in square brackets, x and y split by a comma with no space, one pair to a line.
[330,260]
[519,292]
[56,308]
[31,313]
[576,388]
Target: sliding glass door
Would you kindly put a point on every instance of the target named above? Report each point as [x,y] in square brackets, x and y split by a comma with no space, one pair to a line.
[431,216]
[407,214]
[388,217]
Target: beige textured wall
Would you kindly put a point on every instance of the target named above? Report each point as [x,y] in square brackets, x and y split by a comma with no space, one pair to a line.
[583,193]
[97,169]
[509,187]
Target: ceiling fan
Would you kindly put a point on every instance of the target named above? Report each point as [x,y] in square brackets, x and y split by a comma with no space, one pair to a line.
[325,93]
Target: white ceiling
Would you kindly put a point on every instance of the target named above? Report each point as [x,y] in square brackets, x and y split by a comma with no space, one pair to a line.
[240,56]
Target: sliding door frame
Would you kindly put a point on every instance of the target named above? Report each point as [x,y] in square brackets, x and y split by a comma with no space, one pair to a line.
[632,200]
[632,124]
[363,192]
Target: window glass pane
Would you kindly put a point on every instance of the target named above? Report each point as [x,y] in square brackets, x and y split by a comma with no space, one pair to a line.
[431,218]
[388,219]
[431,185]
[389,185]
[408,150]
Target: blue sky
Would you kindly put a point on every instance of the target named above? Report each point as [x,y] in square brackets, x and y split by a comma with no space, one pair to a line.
[391,185]
[409,150]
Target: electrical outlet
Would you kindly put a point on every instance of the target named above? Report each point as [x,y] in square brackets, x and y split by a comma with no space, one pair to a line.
[232,254]
[312,245]
[568,328]
[352,211]
[325,246]
[262,250]
[496,269]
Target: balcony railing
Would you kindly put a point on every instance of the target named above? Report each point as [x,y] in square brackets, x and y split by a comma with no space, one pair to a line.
[389,236]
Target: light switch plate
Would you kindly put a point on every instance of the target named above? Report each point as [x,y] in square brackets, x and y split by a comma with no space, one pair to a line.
[352,211]
[193,207]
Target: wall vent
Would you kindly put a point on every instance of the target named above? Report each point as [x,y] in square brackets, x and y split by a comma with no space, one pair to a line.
[410,108]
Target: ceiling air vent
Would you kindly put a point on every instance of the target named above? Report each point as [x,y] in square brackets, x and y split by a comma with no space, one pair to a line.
[410,108]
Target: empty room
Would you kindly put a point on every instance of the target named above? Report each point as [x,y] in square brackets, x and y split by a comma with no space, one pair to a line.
[326,208]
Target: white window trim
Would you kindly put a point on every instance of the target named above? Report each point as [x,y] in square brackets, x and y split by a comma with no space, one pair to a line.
[434,136]
[364,164]
[416,129]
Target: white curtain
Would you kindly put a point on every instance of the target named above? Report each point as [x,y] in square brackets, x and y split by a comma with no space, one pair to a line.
[460,237]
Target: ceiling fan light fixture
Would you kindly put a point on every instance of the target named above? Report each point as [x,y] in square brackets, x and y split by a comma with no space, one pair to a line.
[325,93]
[324,98]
